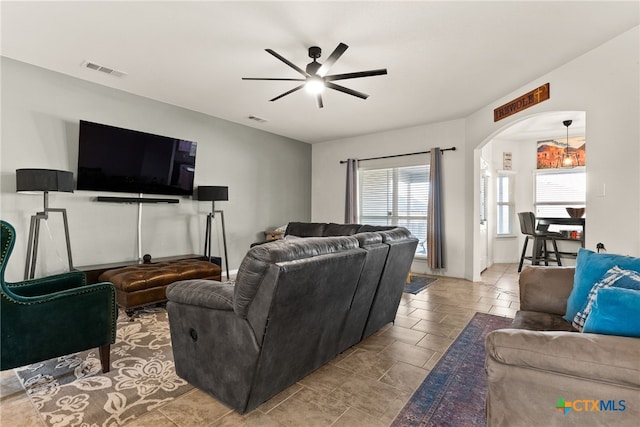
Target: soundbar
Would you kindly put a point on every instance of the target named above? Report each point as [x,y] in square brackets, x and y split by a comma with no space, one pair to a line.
[134,200]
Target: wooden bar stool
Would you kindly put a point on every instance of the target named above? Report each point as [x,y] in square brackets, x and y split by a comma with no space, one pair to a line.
[539,251]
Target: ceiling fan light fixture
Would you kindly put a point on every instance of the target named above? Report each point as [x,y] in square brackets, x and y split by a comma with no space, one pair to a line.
[315,77]
[314,85]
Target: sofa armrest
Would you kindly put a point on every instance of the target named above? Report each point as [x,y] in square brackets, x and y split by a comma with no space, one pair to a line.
[546,289]
[202,293]
[606,358]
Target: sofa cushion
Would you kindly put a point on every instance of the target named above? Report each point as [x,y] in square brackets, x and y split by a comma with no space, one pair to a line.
[616,277]
[590,267]
[545,289]
[254,266]
[368,239]
[306,229]
[368,228]
[333,229]
[539,321]
[397,234]
[615,311]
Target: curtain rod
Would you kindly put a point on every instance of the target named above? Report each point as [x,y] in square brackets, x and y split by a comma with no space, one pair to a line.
[402,155]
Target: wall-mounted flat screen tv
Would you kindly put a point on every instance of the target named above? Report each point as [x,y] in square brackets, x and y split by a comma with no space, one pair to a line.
[128,161]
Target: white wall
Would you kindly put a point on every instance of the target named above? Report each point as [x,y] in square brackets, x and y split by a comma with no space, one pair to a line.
[604,83]
[268,176]
[507,249]
[328,178]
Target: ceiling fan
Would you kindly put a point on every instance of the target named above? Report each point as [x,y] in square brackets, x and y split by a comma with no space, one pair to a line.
[315,75]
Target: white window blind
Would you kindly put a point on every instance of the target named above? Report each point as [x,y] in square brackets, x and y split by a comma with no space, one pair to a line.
[558,190]
[396,196]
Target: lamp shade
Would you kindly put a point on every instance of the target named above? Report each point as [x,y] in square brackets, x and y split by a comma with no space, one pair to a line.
[213,193]
[44,180]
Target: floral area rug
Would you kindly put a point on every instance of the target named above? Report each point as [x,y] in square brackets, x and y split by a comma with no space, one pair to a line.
[72,390]
[453,394]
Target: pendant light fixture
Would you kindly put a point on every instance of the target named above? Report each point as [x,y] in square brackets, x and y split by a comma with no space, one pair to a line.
[568,160]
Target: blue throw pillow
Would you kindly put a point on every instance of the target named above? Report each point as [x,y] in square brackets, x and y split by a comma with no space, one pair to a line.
[590,267]
[615,311]
[615,276]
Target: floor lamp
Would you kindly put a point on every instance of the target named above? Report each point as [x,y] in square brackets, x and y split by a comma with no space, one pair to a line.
[45,180]
[213,194]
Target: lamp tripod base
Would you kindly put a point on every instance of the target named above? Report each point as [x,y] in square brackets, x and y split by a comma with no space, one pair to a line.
[207,238]
[34,237]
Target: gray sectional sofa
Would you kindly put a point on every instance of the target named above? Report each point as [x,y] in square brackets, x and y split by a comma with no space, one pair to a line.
[296,303]
[391,250]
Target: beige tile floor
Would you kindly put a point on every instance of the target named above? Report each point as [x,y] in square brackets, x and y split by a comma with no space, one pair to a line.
[367,385]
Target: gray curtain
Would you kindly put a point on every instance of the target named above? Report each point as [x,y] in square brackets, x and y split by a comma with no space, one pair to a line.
[435,224]
[351,202]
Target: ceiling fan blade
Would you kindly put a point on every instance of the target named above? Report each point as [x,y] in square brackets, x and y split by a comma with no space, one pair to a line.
[335,55]
[356,75]
[287,92]
[346,90]
[319,100]
[286,61]
[268,78]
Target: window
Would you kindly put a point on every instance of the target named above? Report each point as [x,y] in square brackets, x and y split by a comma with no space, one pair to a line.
[557,190]
[396,196]
[505,204]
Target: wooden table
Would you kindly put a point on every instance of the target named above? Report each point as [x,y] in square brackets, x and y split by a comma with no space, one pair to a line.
[545,222]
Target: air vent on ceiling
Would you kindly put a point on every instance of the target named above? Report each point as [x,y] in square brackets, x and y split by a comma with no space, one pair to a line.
[257,119]
[97,67]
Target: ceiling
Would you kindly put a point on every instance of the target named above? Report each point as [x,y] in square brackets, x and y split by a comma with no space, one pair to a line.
[445,59]
[545,126]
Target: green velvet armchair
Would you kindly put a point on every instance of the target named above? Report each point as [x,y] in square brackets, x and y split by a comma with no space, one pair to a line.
[53,316]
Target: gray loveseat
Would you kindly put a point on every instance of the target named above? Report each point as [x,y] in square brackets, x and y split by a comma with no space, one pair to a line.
[296,304]
[542,362]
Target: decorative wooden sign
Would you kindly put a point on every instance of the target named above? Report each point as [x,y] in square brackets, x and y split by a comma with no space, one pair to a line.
[506,160]
[522,103]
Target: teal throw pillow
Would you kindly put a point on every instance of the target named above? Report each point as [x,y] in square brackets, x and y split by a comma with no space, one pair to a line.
[590,267]
[615,276]
[615,311]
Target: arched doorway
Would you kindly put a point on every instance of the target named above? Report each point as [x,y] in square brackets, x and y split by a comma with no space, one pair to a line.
[519,140]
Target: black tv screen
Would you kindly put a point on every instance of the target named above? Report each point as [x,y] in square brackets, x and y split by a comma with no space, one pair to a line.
[128,161]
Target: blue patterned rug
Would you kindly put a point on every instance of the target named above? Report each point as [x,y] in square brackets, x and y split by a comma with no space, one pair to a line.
[417,284]
[453,394]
